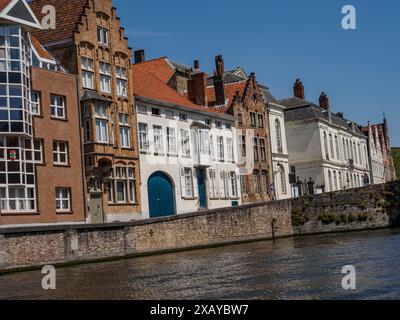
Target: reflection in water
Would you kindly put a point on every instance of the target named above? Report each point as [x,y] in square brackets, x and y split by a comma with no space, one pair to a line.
[294,268]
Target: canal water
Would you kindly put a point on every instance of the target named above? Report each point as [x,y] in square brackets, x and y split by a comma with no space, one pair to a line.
[294,268]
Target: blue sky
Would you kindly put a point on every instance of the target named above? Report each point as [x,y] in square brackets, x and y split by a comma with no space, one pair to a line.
[281,41]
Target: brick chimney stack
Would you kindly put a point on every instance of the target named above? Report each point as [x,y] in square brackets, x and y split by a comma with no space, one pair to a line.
[324,101]
[219,81]
[196,65]
[139,56]
[298,89]
[197,89]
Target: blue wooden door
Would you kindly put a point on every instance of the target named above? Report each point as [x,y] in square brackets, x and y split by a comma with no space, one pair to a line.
[201,181]
[161,195]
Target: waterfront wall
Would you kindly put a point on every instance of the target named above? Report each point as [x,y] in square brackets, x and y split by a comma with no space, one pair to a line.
[356,209]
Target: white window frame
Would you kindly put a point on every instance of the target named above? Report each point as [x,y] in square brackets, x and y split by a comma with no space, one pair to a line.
[124,130]
[62,199]
[87,72]
[185,142]
[57,153]
[36,103]
[143,136]
[102,35]
[171,140]
[158,139]
[105,76]
[56,106]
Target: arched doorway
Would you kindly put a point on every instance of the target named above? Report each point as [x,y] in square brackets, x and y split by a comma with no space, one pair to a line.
[161,195]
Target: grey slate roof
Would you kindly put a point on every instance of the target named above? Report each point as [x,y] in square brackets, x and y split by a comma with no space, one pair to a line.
[268,97]
[180,66]
[298,109]
[228,78]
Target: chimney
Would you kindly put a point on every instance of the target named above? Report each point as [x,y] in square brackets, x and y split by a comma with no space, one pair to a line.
[340,114]
[219,86]
[197,89]
[139,56]
[324,101]
[298,89]
[196,65]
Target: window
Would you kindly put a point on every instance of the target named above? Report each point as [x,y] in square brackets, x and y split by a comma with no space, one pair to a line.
[171,140]
[155,112]
[224,185]
[60,153]
[105,77]
[220,146]
[243,184]
[264,184]
[124,130]
[123,184]
[35,103]
[63,200]
[261,120]
[122,81]
[331,144]
[278,133]
[263,149]
[326,146]
[101,124]
[102,36]
[87,124]
[208,122]
[142,109]
[240,117]
[228,126]
[255,149]
[183,117]
[169,114]
[337,148]
[242,140]
[34,150]
[233,185]
[335,181]
[158,139]
[213,184]
[185,141]
[204,141]
[187,183]
[212,148]
[87,73]
[340,181]
[253,120]
[229,145]
[218,124]
[17,199]
[330,181]
[256,183]
[282,173]
[57,106]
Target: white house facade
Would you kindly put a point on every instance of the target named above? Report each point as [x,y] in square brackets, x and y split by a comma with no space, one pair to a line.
[279,151]
[192,151]
[328,152]
[377,164]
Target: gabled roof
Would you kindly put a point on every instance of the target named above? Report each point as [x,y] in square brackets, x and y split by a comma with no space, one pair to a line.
[268,97]
[159,68]
[41,51]
[230,92]
[68,15]
[20,12]
[147,85]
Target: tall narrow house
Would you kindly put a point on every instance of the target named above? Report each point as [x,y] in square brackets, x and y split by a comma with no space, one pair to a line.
[239,95]
[40,152]
[89,41]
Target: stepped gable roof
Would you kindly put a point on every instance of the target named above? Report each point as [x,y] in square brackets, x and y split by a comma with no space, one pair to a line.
[68,15]
[230,92]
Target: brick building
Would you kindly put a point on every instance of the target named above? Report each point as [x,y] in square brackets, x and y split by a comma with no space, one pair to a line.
[89,42]
[234,93]
[41,164]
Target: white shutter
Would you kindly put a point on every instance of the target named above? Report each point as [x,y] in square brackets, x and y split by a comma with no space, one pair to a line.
[195,184]
[228,179]
[221,184]
[183,183]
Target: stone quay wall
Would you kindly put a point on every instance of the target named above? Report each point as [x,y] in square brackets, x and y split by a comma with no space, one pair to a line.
[356,209]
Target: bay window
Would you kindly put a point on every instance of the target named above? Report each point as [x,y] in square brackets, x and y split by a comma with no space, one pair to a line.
[101,121]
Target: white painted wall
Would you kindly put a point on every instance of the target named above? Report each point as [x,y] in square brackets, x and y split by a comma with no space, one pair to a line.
[172,164]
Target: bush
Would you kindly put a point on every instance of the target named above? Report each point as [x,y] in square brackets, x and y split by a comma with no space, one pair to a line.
[327,218]
[299,217]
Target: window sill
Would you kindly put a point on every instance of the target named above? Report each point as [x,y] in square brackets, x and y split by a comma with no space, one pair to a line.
[38,116]
[58,165]
[64,212]
[59,119]
[172,155]
[19,213]
[160,154]
[123,204]
[145,152]
[189,198]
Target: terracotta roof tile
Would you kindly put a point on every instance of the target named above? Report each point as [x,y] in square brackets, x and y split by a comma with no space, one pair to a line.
[147,85]
[159,68]
[43,53]
[68,15]
[230,92]
[4,4]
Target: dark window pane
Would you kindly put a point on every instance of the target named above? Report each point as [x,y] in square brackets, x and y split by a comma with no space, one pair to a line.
[14,178]
[16,103]
[3,103]
[4,115]
[30,179]
[12,142]
[15,90]
[17,127]
[4,127]
[3,77]
[15,115]
[13,166]
[13,77]
[3,90]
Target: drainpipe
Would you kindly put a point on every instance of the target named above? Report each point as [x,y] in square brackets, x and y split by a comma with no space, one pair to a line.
[78,93]
[270,151]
